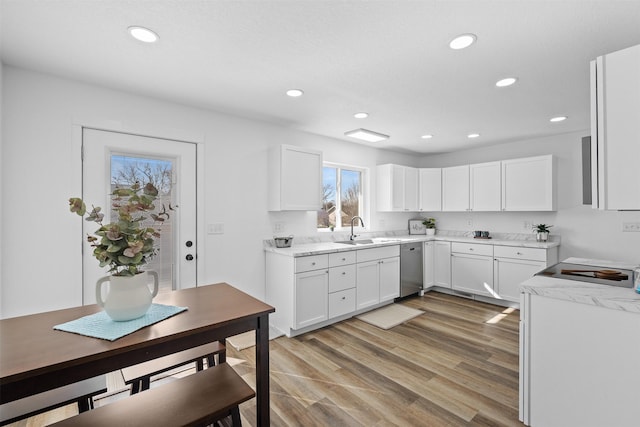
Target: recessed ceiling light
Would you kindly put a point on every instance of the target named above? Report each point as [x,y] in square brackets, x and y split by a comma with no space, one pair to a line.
[462,41]
[361,115]
[294,93]
[506,82]
[366,135]
[427,136]
[558,119]
[473,135]
[143,34]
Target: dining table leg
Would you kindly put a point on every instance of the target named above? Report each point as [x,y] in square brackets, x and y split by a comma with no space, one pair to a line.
[262,371]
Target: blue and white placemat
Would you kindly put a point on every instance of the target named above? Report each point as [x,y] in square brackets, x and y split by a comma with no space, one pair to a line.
[101,326]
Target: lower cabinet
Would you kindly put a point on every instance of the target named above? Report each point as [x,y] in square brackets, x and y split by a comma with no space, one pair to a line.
[378,276]
[442,264]
[311,296]
[513,265]
[472,268]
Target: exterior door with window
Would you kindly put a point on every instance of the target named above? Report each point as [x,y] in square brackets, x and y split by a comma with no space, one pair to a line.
[112,159]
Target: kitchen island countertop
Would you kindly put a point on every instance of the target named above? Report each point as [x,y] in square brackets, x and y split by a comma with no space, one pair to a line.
[613,297]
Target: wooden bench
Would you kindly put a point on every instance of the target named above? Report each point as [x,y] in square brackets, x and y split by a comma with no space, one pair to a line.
[195,400]
[81,393]
[139,376]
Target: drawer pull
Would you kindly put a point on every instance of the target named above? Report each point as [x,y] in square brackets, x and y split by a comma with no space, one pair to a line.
[518,253]
[344,272]
[313,263]
[470,249]
[344,259]
[344,298]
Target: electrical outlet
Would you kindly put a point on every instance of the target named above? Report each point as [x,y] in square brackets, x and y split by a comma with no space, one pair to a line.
[278,227]
[217,228]
[470,222]
[528,225]
[631,226]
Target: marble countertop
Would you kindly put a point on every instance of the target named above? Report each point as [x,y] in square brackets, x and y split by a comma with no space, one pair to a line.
[307,247]
[613,297]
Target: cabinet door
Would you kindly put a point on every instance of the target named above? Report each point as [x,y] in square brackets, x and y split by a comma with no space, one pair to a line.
[473,274]
[311,298]
[455,188]
[389,278]
[509,273]
[368,284]
[485,186]
[301,179]
[410,189]
[528,184]
[430,186]
[442,264]
[428,263]
[619,130]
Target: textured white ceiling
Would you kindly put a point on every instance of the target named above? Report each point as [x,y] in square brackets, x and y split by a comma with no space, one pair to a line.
[388,58]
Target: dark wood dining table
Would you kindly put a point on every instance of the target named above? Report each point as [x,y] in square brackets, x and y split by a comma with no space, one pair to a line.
[35,358]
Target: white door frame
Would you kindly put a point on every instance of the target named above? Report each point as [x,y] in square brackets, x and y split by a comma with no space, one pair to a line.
[173,134]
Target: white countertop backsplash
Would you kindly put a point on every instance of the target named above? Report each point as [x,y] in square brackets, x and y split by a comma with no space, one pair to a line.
[613,297]
[326,242]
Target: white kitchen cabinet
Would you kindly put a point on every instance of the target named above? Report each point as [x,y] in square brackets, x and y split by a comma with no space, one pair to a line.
[428,262]
[578,364]
[485,188]
[455,188]
[472,268]
[528,184]
[615,130]
[311,298]
[397,188]
[342,283]
[295,179]
[430,189]
[513,265]
[377,276]
[442,264]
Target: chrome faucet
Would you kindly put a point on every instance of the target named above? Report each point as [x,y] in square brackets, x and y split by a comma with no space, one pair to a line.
[353,236]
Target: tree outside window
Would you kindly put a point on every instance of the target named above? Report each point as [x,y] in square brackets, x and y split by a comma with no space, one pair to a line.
[341,196]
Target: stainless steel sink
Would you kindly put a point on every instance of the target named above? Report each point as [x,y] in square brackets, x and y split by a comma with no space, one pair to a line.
[356,242]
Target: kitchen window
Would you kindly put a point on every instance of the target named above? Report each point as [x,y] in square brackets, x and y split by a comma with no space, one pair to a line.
[342,196]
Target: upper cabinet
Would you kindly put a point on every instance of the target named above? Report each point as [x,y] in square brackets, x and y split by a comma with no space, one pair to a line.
[528,184]
[615,130]
[397,188]
[295,179]
[484,187]
[455,188]
[430,189]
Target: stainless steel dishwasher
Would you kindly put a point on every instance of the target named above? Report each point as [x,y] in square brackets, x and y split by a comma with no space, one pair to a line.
[410,268]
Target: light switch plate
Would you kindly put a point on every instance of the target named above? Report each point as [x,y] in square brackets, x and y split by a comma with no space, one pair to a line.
[631,226]
[217,228]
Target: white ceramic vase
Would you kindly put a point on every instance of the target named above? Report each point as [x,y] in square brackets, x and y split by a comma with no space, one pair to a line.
[542,236]
[431,231]
[128,297]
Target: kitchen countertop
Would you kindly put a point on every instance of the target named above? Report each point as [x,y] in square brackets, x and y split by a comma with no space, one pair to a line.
[324,247]
[613,297]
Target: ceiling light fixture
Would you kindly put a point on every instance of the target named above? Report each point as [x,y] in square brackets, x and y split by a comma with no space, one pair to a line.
[558,119]
[361,115]
[462,41]
[143,34]
[366,135]
[294,93]
[506,82]
[473,135]
[427,136]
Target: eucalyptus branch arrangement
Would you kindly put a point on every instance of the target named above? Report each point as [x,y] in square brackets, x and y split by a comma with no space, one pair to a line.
[125,244]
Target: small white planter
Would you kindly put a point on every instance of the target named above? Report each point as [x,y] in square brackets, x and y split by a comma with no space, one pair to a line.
[129,297]
[542,236]
[431,231]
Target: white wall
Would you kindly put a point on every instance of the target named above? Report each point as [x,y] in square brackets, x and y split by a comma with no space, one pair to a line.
[584,232]
[40,246]
[1,192]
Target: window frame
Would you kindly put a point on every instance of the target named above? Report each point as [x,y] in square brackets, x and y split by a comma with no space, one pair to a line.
[363,201]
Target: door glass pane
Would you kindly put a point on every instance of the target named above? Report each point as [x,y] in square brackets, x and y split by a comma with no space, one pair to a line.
[327,214]
[127,170]
[349,194]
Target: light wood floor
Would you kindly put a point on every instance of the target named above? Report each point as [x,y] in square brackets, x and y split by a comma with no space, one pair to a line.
[455,365]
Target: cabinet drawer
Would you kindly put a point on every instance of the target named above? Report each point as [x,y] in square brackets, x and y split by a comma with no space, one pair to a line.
[342,258]
[365,255]
[342,302]
[309,263]
[536,254]
[472,248]
[341,278]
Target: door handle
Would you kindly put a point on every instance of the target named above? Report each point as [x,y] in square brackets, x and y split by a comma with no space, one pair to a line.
[189,257]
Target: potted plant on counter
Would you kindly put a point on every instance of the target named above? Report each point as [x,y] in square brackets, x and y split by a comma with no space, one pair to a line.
[430,224]
[125,245]
[542,232]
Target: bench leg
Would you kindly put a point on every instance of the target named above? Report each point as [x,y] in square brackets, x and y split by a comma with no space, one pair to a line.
[235,417]
[85,403]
